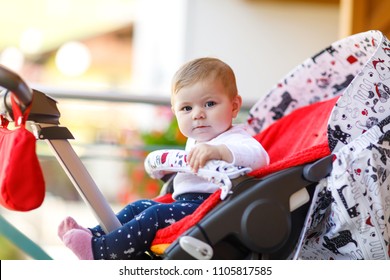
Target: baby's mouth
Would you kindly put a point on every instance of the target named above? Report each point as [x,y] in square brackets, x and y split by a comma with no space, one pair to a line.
[199,127]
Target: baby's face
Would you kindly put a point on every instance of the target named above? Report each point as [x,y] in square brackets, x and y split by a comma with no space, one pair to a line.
[204,110]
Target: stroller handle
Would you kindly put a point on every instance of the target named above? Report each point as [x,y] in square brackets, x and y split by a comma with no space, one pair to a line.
[14,83]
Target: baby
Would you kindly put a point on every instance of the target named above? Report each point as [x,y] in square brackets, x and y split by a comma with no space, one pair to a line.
[205,101]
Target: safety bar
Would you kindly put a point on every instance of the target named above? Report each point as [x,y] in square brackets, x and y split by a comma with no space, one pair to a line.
[22,241]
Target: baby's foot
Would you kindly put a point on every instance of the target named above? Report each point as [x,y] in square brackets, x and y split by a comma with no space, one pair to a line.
[68,224]
[80,242]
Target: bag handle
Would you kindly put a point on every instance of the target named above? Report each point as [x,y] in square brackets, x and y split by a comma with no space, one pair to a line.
[4,121]
[19,117]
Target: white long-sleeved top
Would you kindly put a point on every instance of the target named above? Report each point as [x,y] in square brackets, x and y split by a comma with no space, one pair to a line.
[246,151]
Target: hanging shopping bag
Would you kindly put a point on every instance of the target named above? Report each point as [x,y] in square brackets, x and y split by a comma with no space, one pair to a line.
[22,185]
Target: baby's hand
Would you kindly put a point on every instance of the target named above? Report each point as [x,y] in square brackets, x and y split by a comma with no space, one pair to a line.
[202,153]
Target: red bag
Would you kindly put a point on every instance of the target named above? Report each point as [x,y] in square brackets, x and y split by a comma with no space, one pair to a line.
[22,185]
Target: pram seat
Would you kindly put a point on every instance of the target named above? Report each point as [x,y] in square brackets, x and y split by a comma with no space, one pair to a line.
[245,214]
[348,68]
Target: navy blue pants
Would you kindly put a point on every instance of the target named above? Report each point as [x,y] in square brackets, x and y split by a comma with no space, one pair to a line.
[140,221]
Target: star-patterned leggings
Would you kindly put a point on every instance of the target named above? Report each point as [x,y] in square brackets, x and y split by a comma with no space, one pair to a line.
[140,221]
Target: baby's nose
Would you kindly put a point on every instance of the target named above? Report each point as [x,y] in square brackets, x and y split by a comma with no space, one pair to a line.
[198,113]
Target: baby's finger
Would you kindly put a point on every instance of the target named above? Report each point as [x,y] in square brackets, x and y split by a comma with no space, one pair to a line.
[195,166]
[192,162]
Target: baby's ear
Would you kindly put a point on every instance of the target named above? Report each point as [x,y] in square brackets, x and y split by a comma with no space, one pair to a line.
[173,109]
[237,102]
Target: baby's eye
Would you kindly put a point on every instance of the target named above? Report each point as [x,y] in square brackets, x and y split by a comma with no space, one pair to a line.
[186,108]
[210,104]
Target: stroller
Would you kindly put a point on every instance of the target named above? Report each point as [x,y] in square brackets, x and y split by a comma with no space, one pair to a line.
[326,193]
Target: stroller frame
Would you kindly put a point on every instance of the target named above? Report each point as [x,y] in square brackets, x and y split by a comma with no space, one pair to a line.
[275,239]
[44,117]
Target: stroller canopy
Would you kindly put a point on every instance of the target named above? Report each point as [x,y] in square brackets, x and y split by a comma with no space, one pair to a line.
[355,68]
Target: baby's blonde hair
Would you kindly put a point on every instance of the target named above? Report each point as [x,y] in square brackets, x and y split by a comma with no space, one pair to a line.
[201,69]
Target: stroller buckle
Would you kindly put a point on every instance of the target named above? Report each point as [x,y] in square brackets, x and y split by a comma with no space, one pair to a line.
[196,248]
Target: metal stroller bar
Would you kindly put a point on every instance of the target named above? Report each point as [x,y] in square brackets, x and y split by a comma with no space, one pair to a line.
[81,179]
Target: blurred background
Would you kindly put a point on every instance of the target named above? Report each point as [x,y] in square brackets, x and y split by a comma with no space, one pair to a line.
[109,63]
